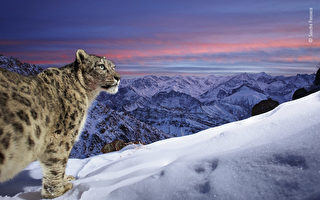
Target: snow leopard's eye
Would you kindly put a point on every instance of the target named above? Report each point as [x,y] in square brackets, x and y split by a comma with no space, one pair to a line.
[102,67]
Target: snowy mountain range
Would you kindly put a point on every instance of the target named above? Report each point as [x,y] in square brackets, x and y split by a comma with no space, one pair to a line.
[270,156]
[184,105]
[152,108]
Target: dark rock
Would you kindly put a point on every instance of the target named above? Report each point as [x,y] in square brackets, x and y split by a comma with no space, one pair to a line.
[302,92]
[317,79]
[264,106]
[116,145]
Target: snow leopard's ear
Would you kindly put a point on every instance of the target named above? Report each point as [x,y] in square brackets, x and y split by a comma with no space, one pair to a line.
[81,55]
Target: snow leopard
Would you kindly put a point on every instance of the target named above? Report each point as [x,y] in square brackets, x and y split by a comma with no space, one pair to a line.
[42,115]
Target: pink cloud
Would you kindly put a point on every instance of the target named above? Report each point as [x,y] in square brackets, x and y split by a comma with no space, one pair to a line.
[140,50]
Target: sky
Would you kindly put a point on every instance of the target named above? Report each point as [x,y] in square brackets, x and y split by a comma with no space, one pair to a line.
[167,37]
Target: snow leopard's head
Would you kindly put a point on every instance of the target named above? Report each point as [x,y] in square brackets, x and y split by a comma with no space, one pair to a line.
[97,72]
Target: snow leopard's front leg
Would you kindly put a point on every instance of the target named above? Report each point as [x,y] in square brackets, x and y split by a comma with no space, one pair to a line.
[54,181]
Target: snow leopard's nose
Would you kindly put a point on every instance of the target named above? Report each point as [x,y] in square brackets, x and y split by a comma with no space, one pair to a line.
[117,77]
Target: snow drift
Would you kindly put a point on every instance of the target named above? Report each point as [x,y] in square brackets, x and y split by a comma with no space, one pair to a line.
[269,156]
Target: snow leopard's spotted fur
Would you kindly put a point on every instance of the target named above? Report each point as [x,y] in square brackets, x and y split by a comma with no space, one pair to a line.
[41,116]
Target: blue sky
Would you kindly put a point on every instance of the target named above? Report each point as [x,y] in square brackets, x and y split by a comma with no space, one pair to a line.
[166,37]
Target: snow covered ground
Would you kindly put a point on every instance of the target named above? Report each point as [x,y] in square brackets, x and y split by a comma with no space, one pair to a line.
[271,156]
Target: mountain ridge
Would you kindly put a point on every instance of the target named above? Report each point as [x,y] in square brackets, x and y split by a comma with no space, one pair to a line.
[231,97]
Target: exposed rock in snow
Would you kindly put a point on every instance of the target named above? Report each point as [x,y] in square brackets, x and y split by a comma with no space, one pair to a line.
[264,106]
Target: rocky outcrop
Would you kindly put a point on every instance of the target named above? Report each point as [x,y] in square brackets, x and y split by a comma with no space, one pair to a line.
[305,91]
[317,79]
[264,106]
[117,145]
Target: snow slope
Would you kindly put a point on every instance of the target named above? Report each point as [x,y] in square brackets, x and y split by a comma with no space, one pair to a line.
[269,156]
